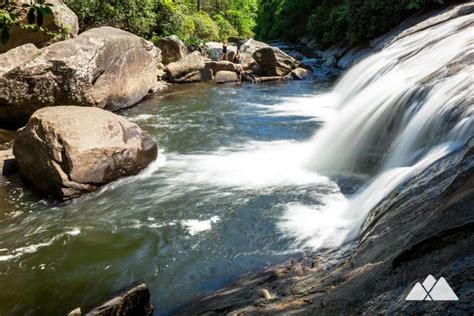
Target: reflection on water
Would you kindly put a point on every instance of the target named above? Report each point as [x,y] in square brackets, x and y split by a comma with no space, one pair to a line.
[203,213]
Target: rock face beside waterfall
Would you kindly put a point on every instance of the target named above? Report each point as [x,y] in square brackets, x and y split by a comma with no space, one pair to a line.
[66,151]
[103,67]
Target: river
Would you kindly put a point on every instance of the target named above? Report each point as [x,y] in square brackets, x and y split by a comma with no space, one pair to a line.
[207,211]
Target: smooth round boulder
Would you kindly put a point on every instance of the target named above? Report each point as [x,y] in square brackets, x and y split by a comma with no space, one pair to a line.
[66,151]
[172,49]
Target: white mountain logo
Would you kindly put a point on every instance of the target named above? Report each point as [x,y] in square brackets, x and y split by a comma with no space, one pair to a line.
[432,290]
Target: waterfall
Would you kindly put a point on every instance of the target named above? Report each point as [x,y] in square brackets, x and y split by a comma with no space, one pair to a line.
[398,111]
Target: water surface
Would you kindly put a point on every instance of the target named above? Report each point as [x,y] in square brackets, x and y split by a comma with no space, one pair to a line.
[205,212]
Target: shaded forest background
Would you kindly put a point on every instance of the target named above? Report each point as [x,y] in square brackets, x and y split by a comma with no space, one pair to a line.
[328,22]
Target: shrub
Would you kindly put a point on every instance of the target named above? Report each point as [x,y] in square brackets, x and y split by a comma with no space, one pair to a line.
[226,29]
[204,27]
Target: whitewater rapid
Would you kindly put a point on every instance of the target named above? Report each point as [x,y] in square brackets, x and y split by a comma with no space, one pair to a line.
[396,115]
[389,117]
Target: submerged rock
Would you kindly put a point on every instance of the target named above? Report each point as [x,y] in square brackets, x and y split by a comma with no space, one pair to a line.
[63,22]
[172,49]
[103,67]
[135,302]
[66,151]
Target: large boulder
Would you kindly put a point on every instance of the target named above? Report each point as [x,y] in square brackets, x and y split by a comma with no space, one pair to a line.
[274,62]
[103,67]
[63,23]
[172,49]
[187,69]
[251,46]
[247,49]
[66,151]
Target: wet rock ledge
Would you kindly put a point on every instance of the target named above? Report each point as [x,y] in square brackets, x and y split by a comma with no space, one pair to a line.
[134,302]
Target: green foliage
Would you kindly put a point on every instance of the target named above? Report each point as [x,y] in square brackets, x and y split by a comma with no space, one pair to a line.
[204,27]
[226,29]
[136,16]
[191,20]
[331,22]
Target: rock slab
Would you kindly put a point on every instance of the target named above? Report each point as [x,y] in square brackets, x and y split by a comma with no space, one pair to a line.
[135,302]
[103,67]
[66,151]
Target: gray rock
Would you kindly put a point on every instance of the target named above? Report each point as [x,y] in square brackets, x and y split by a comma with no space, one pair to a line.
[172,49]
[63,19]
[226,76]
[187,69]
[330,61]
[214,50]
[274,62]
[251,46]
[103,67]
[217,66]
[246,51]
[301,74]
[66,151]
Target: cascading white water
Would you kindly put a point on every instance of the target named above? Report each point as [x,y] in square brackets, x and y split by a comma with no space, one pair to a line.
[397,114]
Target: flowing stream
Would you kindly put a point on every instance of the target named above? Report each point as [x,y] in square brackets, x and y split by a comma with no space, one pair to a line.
[246,176]
[204,213]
